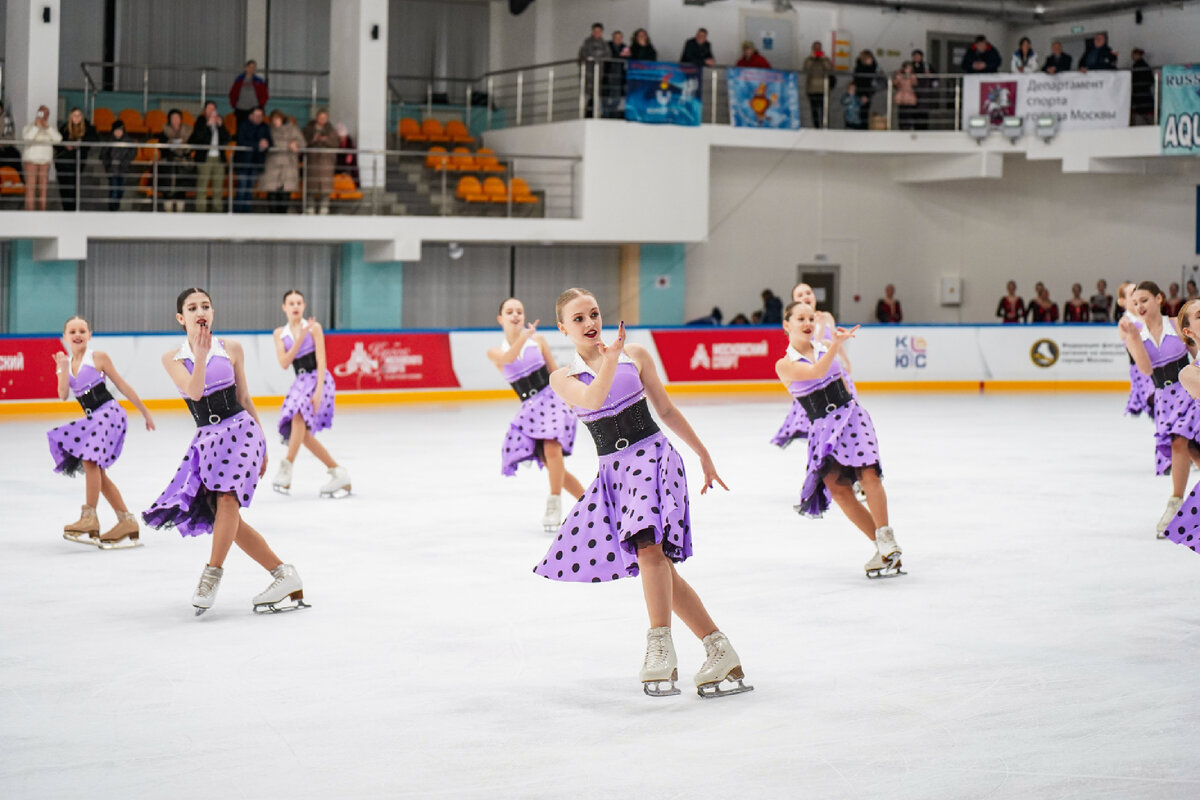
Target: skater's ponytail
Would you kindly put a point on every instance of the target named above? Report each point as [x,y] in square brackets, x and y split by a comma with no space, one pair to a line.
[568,296]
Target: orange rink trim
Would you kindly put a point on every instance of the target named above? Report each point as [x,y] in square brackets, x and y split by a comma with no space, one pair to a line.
[418,396]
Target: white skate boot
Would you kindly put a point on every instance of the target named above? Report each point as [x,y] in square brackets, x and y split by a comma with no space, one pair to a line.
[283,478]
[85,530]
[552,519]
[1168,514]
[886,561]
[721,665]
[123,534]
[286,586]
[206,590]
[339,483]
[660,665]
[859,494]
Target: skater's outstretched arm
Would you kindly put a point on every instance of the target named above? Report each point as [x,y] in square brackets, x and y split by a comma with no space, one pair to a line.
[105,365]
[238,359]
[591,396]
[1135,345]
[790,371]
[501,355]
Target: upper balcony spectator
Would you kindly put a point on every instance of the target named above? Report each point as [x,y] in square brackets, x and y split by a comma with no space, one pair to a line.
[281,170]
[818,79]
[905,96]
[1057,61]
[1141,101]
[981,57]
[854,109]
[642,49]
[210,133]
[594,49]
[927,87]
[70,156]
[1099,55]
[866,78]
[255,136]
[1024,59]
[176,161]
[40,137]
[751,57]
[116,161]
[614,75]
[347,160]
[320,133]
[698,51]
[248,90]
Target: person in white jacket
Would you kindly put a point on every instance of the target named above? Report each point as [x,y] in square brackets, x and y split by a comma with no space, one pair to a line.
[1024,59]
[40,137]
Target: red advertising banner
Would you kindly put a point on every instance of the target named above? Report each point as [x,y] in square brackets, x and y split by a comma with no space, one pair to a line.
[720,354]
[367,361]
[27,368]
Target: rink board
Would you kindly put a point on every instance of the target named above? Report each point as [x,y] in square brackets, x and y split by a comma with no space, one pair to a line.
[438,366]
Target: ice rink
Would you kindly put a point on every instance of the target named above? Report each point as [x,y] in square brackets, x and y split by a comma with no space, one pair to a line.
[1041,645]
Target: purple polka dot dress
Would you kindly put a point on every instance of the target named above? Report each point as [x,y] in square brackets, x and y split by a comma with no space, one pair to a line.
[300,394]
[99,436]
[1185,527]
[222,458]
[796,424]
[543,416]
[1141,387]
[1176,413]
[842,442]
[639,495]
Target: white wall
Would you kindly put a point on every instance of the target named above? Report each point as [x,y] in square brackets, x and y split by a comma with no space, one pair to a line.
[31,60]
[1168,35]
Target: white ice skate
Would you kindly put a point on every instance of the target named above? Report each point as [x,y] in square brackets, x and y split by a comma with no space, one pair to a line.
[285,587]
[1168,514]
[720,665]
[552,519]
[660,665]
[206,590]
[886,561]
[85,530]
[339,483]
[859,494]
[283,478]
[122,535]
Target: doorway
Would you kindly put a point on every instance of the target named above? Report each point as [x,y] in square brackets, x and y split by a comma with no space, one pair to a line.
[945,51]
[825,280]
[773,35]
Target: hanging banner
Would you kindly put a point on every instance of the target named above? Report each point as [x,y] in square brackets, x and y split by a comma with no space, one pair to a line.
[1080,102]
[27,368]
[662,93]
[763,98]
[1180,112]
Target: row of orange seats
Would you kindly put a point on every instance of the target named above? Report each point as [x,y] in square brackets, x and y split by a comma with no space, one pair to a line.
[344,188]
[463,160]
[152,123]
[431,130]
[494,190]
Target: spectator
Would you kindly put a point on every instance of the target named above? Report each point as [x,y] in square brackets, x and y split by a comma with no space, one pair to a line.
[281,172]
[1102,302]
[175,162]
[592,52]
[70,157]
[642,49]
[853,108]
[40,137]
[1024,59]
[980,57]
[713,318]
[1058,61]
[1141,101]
[1173,302]
[116,161]
[249,90]
[347,160]
[887,310]
[739,319]
[926,89]
[208,137]
[1038,289]
[1191,291]
[818,80]
[751,57]
[319,166]
[865,80]
[614,75]
[1099,56]
[698,51]
[772,310]
[1076,309]
[255,136]
[756,317]
[1043,309]
[1011,308]
[10,156]
[905,96]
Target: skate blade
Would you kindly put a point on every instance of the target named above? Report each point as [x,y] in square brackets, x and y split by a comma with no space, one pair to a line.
[82,539]
[891,571]
[282,489]
[336,494]
[120,544]
[283,605]
[715,689]
[199,610]
[655,688]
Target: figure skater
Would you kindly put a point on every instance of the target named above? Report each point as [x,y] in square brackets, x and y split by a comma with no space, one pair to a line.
[308,407]
[94,442]
[1159,352]
[1184,527]
[634,518]
[842,448]
[1141,387]
[543,431]
[223,463]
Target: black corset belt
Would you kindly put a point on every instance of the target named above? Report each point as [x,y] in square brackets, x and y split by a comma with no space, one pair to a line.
[93,398]
[530,385]
[213,408]
[825,401]
[617,432]
[1168,374]
[303,364]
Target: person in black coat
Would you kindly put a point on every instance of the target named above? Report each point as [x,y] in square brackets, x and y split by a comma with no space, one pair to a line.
[981,57]
[698,51]
[1057,61]
[116,161]
[642,49]
[255,135]
[866,77]
[1142,96]
[70,156]
[208,137]
[1099,55]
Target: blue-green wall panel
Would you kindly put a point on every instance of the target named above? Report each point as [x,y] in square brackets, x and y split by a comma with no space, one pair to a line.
[42,294]
[661,304]
[372,295]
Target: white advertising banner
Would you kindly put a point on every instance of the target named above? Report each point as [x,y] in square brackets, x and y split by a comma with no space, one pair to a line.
[934,353]
[1080,102]
[1053,353]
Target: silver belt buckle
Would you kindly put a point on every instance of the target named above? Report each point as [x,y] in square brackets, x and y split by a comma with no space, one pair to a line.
[621,443]
[213,419]
[87,412]
[302,371]
[832,407]
[532,392]
[1167,383]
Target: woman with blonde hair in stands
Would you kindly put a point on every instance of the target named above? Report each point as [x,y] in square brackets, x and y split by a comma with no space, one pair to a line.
[40,137]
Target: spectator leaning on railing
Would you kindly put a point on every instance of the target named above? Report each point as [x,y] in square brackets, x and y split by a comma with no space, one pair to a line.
[866,78]
[208,137]
[1099,56]
[593,50]
[319,133]
[698,51]
[116,161]
[40,137]
[926,89]
[614,74]
[70,157]
[980,57]
[1141,101]
[248,90]
[1024,59]
[751,57]
[904,96]
[818,79]
[1057,61]
[642,49]
[281,172]
[255,136]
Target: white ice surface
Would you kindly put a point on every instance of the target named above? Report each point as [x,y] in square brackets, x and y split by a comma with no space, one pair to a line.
[1042,645]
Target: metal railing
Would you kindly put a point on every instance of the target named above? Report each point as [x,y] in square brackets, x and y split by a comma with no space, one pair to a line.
[158,177]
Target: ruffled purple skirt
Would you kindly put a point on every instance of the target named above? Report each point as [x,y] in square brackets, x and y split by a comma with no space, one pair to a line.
[843,443]
[541,417]
[1141,393]
[639,496]
[795,426]
[299,401]
[1185,528]
[1176,413]
[99,437]
[222,459]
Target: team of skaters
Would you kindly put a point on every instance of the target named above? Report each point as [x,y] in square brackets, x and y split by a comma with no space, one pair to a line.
[1012,309]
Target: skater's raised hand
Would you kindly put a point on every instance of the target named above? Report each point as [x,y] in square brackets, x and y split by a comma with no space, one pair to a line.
[203,342]
[841,335]
[61,360]
[710,474]
[613,351]
[530,330]
[1127,327]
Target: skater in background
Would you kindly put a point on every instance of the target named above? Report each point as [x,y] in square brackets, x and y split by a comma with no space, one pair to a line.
[1076,309]
[224,461]
[543,431]
[1159,351]
[1184,527]
[842,448]
[308,407]
[1141,387]
[95,442]
[1011,308]
[635,517]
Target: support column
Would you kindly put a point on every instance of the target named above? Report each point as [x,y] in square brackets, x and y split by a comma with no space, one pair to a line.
[661,281]
[42,294]
[358,59]
[31,59]
[371,294]
[257,22]
[629,284]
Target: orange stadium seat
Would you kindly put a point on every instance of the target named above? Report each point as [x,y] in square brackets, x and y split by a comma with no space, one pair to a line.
[458,133]
[486,161]
[155,120]
[134,125]
[189,119]
[10,181]
[470,190]
[521,193]
[433,132]
[495,190]
[462,160]
[344,188]
[410,130]
[437,159]
[103,119]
